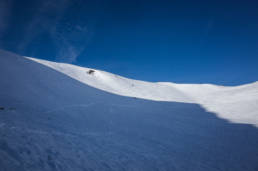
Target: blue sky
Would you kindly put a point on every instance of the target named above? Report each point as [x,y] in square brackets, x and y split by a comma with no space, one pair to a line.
[177,41]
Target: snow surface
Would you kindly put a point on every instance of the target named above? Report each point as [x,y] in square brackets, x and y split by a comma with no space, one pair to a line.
[237,103]
[56,116]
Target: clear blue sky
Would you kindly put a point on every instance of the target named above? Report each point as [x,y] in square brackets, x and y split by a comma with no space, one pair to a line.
[179,41]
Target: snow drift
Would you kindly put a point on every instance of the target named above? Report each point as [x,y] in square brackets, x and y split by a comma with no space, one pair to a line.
[57,116]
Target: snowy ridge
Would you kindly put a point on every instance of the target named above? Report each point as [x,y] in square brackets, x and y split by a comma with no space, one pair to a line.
[58,117]
[235,103]
[118,85]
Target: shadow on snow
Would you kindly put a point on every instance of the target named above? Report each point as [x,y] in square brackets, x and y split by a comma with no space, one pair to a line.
[72,126]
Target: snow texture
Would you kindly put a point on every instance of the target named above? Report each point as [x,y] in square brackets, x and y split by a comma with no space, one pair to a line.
[56,116]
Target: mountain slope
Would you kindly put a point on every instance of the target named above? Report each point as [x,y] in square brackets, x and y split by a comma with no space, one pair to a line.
[237,103]
[50,120]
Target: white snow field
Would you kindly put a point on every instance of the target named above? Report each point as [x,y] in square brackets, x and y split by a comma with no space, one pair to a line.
[237,104]
[56,116]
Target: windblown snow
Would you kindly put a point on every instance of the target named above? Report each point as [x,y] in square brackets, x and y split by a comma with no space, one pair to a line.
[62,117]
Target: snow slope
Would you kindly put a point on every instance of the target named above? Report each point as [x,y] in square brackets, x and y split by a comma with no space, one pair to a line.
[57,117]
[237,103]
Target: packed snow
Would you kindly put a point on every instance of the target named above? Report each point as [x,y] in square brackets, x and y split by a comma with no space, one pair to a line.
[61,117]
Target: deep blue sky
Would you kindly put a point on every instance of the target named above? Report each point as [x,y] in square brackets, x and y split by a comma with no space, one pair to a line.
[178,41]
